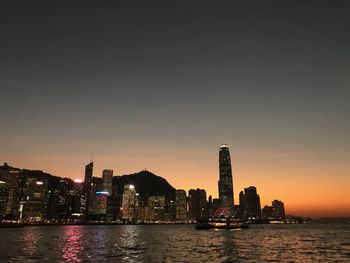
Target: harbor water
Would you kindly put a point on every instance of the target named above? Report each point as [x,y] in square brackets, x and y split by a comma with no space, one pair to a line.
[176,243]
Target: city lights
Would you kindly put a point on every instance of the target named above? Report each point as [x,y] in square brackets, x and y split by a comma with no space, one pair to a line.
[78,181]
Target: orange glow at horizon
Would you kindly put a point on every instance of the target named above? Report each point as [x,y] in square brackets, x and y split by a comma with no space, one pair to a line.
[305,184]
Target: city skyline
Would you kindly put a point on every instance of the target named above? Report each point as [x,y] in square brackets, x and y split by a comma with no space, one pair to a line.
[161,86]
[265,201]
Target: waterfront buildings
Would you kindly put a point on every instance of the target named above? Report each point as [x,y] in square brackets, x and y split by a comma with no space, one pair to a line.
[35,196]
[267,212]
[225,181]
[34,199]
[278,210]
[87,186]
[249,202]
[128,203]
[181,205]
[197,204]
[107,181]
[10,193]
[156,208]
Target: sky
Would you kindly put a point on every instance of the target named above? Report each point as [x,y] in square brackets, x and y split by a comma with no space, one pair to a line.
[159,85]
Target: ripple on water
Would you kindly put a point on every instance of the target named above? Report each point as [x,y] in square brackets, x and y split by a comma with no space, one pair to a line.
[286,243]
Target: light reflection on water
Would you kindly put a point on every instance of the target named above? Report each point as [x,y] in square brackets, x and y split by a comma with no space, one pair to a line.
[71,243]
[152,243]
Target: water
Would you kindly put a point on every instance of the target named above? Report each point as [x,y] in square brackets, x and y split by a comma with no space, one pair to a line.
[171,243]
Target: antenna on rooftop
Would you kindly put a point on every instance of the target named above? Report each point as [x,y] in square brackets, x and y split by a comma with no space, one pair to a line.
[91,157]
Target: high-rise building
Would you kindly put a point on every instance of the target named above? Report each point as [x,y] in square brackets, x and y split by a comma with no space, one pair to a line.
[249,202]
[87,185]
[210,206]
[216,205]
[100,203]
[267,212]
[107,181]
[197,204]
[10,180]
[225,181]
[34,198]
[181,205]
[128,202]
[113,201]
[156,208]
[96,187]
[278,209]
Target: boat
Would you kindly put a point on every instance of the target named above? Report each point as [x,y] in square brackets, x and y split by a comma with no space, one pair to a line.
[222,223]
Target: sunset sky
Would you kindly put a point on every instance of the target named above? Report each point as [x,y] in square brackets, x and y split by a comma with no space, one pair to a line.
[160,85]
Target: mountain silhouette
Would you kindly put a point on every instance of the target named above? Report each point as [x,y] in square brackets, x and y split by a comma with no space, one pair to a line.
[146,184]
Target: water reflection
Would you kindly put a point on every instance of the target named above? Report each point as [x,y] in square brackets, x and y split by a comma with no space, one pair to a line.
[130,243]
[31,240]
[71,243]
[229,246]
[135,243]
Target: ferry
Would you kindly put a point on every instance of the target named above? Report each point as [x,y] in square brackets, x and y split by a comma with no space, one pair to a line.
[222,223]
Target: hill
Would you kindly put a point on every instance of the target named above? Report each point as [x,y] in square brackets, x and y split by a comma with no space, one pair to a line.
[146,184]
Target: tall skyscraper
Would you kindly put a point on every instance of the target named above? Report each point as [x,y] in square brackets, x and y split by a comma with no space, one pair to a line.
[87,185]
[225,181]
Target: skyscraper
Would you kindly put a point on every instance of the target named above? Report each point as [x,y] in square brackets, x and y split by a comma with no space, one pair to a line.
[107,177]
[128,202]
[87,185]
[225,180]
[278,209]
[197,204]
[181,205]
[249,202]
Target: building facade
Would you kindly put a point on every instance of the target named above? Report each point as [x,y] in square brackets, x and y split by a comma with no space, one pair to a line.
[225,181]
[128,207]
[181,205]
[107,181]
[197,204]
[87,186]
[249,202]
[278,210]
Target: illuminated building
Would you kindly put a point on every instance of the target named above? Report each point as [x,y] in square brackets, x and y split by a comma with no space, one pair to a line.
[156,208]
[87,185]
[128,202]
[96,186]
[225,182]
[278,209]
[4,194]
[197,204]
[249,202]
[107,181]
[10,180]
[65,198]
[78,199]
[34,198]
[100,203]
[181,205]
